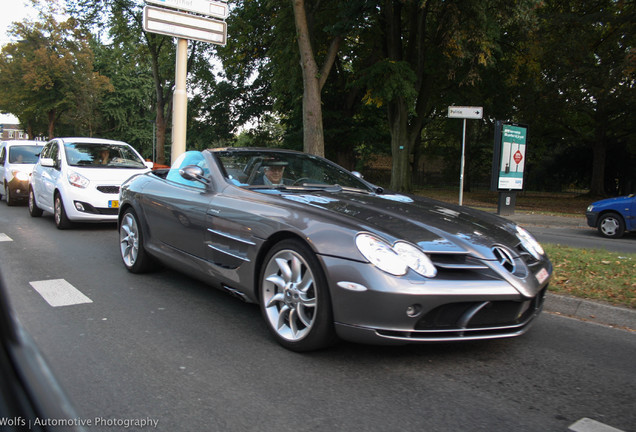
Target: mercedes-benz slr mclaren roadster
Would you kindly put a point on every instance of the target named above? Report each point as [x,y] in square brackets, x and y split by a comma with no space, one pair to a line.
[328,255]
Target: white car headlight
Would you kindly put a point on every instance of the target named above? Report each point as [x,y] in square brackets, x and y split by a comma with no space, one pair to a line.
[590,208]
[20,175]
[529,243]
[78,180]
[394,260]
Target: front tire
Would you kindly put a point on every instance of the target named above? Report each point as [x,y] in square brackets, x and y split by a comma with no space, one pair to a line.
[131,244]
[611,225]
[10,200]
[59,214]
[34,210]
[294,297]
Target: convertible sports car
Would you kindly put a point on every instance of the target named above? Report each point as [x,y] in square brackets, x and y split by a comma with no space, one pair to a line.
[327,254]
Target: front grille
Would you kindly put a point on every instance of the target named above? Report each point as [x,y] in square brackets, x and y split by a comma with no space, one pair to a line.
[108,189]
[480,315]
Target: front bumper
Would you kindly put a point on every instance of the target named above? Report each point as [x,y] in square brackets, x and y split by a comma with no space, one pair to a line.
[19,189]
[91,205]
[592,218]
[395,310]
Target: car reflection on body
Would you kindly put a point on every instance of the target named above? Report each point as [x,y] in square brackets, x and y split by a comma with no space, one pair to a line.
[326,254]
[613,216]
[78,179]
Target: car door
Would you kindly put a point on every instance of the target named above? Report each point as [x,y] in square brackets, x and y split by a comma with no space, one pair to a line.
[46,178]
[3,158]
[630,215]
[175,209]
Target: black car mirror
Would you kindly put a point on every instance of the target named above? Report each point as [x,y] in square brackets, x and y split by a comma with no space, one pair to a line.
[194,173]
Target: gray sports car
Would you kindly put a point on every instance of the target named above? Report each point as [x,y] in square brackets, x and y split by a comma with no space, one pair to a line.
[326,254]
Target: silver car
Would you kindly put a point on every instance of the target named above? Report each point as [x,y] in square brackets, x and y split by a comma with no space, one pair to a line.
[328,255]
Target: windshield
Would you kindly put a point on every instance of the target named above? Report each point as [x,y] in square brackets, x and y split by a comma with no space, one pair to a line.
[277,169]
[98,155]
[24,154]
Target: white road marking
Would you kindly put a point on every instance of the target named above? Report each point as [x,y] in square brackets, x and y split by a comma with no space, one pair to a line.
[589,425]
[4,237]
[58,292]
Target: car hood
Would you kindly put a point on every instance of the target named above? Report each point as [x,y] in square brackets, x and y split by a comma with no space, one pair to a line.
[613,202]
[433,225]
[108,175]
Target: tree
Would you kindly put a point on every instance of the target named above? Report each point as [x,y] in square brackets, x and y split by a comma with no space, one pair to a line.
[588,82]
[428,49]
[313,81]
[124,23]
[49,72]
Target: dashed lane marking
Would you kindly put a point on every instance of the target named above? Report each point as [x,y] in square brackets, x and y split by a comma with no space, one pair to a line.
[58,292]
[589,425]
[4,237]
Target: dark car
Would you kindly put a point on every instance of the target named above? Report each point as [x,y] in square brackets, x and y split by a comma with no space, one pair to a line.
[613,216]
[30,396]
[327,254]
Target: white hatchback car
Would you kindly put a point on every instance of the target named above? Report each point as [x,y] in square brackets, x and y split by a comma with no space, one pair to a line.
[78,179]
[17,158]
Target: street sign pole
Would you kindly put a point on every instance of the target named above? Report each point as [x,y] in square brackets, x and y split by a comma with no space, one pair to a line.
[171,20]
[180,101]
[464,113]
[461,173]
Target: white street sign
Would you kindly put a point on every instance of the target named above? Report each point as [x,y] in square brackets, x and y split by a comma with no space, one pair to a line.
[465,112]
[184,25]
[211,8]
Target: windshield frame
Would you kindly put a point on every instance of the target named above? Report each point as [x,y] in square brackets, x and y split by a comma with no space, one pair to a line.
[302,171]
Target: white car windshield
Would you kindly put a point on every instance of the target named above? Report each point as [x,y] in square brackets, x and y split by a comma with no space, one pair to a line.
[24,154]
[98,155]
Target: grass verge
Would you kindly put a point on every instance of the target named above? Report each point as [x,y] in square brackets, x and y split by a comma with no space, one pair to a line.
[593,274]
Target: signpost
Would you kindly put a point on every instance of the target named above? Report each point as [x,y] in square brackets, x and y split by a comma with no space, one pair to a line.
[183,19]
[464,112]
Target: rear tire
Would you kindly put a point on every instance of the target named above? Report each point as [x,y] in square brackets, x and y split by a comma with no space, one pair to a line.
[131,244]
[61,220]
[34,210]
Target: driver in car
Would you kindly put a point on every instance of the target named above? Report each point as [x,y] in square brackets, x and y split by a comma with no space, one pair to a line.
[272,173]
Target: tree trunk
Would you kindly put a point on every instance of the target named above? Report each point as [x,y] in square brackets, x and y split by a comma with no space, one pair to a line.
[313,135]
[599,152]
[51,128]
[401,145]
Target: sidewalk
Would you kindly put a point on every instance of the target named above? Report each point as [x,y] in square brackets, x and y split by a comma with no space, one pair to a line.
[570,306]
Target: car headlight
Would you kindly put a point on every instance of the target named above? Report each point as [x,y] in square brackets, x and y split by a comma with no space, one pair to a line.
[529,243]
[77,180]
[590,208]
[396,259]
[20,175]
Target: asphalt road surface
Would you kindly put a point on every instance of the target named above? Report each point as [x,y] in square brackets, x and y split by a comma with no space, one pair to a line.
[132,349]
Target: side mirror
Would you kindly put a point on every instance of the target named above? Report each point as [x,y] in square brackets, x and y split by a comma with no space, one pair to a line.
[149,164]
[194,173]
[47,162]
[357,174]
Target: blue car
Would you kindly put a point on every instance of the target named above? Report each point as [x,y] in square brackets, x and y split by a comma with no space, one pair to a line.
[613,216]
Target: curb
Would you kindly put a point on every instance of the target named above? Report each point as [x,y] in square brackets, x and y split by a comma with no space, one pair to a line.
[586,310]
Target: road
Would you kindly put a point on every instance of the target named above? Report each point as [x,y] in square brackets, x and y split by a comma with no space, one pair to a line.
[587,238]
[166,348]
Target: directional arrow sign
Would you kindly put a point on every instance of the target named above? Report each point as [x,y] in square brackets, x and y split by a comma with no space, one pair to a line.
[465,112]
[205,7]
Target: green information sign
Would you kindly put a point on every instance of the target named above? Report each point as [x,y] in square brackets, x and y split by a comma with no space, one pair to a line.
[513,157]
